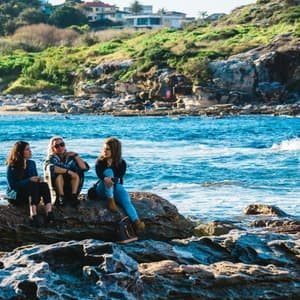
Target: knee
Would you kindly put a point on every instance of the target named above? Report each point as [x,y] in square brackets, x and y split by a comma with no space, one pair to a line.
[108,173]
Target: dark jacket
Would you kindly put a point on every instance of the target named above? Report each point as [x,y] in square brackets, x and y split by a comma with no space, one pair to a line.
[119,170]
[13,183]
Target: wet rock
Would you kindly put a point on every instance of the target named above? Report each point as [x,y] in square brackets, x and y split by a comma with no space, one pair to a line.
[215,228]
[92,219]
[261,209]
[231,266]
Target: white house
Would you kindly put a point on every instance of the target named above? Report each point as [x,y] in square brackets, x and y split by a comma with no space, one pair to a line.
[168,19]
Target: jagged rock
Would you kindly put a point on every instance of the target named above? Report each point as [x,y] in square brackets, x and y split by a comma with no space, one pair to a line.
[232,266]
[262,209]
[215,228]
[92,219]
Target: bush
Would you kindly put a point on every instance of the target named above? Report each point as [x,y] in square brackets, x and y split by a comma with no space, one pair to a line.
[41,36]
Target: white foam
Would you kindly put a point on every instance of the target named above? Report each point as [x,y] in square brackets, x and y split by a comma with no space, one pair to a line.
[288,145]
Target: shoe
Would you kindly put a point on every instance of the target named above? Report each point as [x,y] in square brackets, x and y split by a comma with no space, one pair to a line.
[34,222]
[112,205]
[50,218]
[139,225]
[60,201]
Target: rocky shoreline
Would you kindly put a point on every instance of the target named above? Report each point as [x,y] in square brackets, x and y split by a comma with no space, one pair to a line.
[175,258]
[47,104]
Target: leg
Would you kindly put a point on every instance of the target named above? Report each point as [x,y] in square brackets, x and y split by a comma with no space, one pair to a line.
[34,199]
[59,185]
[45,193]
[122,197]
[104,191]
[75,181]
[109,192]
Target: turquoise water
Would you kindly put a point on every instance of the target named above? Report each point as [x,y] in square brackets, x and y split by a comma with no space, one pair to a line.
[210,168]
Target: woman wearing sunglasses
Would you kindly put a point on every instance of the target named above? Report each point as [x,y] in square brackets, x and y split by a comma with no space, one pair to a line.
[24,184]
[64,170]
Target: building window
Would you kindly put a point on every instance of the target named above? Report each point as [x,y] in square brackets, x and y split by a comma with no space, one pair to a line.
[142,21]
[155,21]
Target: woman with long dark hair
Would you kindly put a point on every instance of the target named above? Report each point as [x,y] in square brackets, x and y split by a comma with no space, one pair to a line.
[24,184]
[111,168]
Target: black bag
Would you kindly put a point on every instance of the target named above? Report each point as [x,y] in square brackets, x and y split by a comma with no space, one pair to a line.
[92,195]
[125,232]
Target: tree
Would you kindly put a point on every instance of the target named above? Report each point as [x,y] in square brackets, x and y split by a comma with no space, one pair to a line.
[65,16]
[30,16]
[136,7]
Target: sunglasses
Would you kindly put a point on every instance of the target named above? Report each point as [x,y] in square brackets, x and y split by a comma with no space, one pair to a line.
[56,146]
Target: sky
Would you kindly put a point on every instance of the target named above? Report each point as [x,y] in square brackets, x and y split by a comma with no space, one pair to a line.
[190,7]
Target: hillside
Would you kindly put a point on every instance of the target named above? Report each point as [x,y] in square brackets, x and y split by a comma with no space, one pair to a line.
[140,56]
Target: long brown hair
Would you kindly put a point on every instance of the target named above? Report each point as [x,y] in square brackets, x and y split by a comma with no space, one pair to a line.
[116,150]
[16,157]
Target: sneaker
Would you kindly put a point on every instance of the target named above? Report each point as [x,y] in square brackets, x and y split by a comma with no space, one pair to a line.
[34,222]
[139,225]
[60,201]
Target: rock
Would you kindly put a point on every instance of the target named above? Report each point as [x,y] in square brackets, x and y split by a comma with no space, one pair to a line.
[214,228]
[92,219]
[261,209]
[231,266]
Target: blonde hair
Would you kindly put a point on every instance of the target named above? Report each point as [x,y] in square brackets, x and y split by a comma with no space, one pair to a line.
[51,144]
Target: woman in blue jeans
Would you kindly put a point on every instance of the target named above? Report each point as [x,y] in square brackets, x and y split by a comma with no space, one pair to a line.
[111,168]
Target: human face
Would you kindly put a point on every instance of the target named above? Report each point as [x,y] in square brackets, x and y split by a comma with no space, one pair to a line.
[106,151]
[59,146]
[27,152]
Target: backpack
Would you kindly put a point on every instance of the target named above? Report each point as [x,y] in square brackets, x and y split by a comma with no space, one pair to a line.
[125,232]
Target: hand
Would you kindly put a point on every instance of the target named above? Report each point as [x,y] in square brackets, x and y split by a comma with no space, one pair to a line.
[71,154]
[72,174]
[108,181]
[35,178]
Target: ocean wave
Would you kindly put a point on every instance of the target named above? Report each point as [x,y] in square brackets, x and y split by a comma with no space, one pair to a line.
[288,145]
[179,186]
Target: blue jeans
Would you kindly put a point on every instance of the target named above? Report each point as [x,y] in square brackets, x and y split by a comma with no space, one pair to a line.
[118,192]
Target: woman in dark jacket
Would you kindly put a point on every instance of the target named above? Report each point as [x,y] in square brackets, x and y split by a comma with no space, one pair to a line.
[24,184]
[111,168]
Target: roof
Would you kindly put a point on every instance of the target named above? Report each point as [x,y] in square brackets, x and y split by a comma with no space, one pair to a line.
[96,4]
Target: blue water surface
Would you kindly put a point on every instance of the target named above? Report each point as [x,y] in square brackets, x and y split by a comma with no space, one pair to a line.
[210,168]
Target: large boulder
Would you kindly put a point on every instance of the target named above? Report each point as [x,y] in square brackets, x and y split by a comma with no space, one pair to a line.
[92,219]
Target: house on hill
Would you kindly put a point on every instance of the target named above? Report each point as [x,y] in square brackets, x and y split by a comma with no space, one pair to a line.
[98,11]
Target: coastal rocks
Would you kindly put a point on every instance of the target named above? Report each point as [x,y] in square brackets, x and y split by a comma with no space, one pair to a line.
[261,209]
[92,219]
[264,73]
[240,264]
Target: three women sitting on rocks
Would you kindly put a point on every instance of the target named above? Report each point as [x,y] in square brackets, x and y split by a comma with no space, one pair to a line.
[64,174]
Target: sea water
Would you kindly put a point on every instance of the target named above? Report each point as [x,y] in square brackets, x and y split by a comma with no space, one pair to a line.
[209,168]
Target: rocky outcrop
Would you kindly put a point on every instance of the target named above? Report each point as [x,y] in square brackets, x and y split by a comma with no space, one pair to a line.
[92,219]
[240,263]
[263,74]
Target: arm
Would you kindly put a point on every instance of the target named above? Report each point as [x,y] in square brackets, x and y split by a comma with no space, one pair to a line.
[120,170]
[100,167]
[55,166]
[13,183]
[80,162]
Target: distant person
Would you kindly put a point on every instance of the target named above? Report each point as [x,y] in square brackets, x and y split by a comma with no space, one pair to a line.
[24,184]
[64,171]
[111,168]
